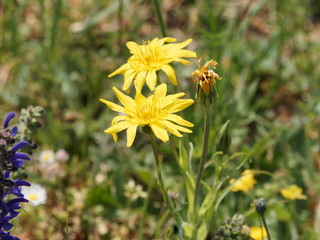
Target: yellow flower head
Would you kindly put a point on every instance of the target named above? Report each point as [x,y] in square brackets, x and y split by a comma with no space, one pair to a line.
[205,76]
[293,192]
[148,58]
[156,111]
[258,233]
[245,183]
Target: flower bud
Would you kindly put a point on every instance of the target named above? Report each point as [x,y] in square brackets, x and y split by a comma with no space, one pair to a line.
[206,98]
[224,140]
[261,206]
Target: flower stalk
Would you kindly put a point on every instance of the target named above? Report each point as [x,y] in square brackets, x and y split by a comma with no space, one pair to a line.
[261,207]
[206,134]
[266,227]
[158,166]
[160,18]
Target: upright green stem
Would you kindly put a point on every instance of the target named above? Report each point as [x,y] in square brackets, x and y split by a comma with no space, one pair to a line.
[158,166]
[266,227]
[173,147]
[206,134]
[54,28]
[144,211]
[160,18]
[120,31]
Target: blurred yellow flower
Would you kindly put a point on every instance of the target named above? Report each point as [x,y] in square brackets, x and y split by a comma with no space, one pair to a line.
[205,76]
[293,192]
[258,233]
[148,58]
[245,183]
[155,111]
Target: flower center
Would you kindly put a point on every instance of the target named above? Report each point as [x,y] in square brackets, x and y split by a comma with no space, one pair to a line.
[148,111]
[148,57]
[46,158]
[33,197]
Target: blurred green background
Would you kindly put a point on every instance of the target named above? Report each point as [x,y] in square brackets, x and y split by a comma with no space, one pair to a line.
[58,54]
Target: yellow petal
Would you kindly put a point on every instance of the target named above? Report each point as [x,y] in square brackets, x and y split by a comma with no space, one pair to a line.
[113,106]
[184,62]
[170,99]
[131,134]
[170,72]
[160,92]
[178,45]
[139,98]
[118,127]
[179,105]
[181,53]
[151,79]
[258,233]
[140,80]
[115,137]
[126,101]
[167,39]
[153,41]
[122,69]
[179,120]
[302,196]
[171,127]
[132,46]
[128,77]
[175,126]
[117,119]
[160,132]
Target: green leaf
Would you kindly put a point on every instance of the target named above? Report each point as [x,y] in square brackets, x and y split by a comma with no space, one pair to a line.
[101,195]
[183,157]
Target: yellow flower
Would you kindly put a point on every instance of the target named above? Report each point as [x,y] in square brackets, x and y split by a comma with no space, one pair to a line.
[148,58]
[293,192]
[205,76]
[258,233]
[155,111]
[245,183]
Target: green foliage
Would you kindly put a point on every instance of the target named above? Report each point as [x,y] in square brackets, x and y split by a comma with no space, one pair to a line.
[58,54]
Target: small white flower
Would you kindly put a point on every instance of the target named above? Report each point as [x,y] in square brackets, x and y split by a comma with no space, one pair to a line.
[47,157]
[134,191]
[62,155]
[100,178]
[36,194]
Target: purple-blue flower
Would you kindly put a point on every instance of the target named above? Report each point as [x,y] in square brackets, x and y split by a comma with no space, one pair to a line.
[10,161]
[8,119]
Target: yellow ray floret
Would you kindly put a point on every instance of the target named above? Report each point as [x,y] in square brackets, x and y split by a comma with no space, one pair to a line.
[148,58]
[258,233]
[293,192]
[245,182]
[156,111]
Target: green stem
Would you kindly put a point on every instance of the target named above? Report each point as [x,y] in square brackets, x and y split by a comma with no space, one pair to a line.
[54,28]
[144,211]
[174,150]
[161,222]
[266,227]
[218,164]
[206,134]
[120,31]
[160,18]
[158,166]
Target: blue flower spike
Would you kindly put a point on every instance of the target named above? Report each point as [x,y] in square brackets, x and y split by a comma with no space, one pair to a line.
[11,158]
